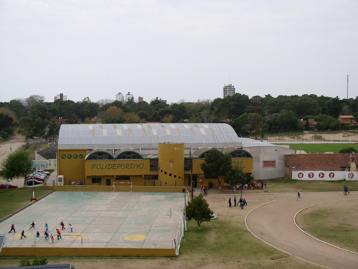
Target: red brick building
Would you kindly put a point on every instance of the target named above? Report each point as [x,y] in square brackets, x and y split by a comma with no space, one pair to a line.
[318,162]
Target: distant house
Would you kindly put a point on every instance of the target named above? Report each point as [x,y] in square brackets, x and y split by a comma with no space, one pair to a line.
[347,120]
[310,123]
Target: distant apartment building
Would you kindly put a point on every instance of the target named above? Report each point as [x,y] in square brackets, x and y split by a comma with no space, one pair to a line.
[229,90]
[128,97]
[140,99]
[60,97]
[120,97]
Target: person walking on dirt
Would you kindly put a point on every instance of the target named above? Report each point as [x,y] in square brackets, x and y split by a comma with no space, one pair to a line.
[23,234]
[37,234]
[32,225]
[12,229]
[345,190]
[235,202]
[52,239]
[71,227]
[298,196]
[229,201]
[62,225]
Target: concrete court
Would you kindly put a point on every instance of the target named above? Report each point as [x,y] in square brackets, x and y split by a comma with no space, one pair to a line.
[273,222]
[100,219]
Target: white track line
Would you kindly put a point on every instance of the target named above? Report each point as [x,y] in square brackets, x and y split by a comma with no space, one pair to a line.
[315,238]
[273,246]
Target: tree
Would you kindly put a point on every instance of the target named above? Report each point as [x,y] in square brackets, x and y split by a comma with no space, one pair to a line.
[216,164]
[237,176]
[198,209]
[16,164]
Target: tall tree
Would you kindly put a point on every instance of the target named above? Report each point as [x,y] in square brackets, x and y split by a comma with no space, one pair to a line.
[16,164]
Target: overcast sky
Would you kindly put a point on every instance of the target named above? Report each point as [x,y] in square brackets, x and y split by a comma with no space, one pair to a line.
[177,49]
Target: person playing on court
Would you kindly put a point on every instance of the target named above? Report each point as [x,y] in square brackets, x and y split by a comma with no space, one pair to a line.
[37,234]
[52,239]
[23,234]
[12,229]
[58,234]
[71,227]
[46,235]
[32,225]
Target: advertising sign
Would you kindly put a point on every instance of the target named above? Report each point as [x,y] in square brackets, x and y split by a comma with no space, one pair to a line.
[324,175]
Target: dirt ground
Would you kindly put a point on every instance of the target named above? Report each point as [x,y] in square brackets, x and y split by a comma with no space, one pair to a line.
[342,136]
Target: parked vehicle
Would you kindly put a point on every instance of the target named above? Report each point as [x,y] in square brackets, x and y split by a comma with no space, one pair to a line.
[7,186]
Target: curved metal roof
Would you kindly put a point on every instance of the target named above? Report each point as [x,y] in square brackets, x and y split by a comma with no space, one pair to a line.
[146,135]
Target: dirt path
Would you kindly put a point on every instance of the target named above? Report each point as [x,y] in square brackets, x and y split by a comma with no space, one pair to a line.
[273,222]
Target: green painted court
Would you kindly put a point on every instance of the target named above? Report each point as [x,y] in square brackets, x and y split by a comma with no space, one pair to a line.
[101,220]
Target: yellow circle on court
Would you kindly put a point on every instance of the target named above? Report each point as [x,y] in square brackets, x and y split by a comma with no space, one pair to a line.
[135,237]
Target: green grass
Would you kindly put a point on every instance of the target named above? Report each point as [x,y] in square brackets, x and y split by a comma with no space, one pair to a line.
[318,148]
[15,199]
[290,185]
[222,238]
[329,224]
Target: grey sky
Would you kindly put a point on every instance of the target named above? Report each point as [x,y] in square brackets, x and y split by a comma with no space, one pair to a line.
[177,49]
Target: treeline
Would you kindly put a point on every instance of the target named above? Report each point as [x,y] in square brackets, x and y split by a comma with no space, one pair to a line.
[248,116]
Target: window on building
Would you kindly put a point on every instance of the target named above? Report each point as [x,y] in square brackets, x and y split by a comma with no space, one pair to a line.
[129,155]
[153,163]
[96,180]
[187,164]
[123,177]
[99,155]
[269,164]
[150,177]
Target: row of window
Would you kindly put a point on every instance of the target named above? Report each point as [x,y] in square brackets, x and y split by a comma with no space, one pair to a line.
[102,155]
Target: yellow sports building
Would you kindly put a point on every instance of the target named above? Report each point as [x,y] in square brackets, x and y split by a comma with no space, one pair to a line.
[153,154]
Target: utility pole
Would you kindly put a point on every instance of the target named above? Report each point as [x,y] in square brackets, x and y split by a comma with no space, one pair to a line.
[191,175]
[347,85]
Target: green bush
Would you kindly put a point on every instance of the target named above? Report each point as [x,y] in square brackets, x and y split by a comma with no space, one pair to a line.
[348,150]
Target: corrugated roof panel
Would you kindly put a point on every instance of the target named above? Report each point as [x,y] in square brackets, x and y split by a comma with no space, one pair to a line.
[147,135]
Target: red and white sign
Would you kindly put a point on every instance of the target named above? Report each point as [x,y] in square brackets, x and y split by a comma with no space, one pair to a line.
[324,175]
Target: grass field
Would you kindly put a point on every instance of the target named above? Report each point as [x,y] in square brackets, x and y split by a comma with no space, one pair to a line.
[289,185]
[336,224]
[318,148]
[15,199]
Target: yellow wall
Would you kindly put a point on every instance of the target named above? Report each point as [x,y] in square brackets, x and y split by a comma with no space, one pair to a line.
[71,164]
[171,164]
[116,167]
[245,164]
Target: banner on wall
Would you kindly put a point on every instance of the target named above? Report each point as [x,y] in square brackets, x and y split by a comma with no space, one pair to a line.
[324,175]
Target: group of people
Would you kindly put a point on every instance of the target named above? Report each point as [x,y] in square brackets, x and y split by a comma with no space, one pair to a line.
[47,234]
[242,202]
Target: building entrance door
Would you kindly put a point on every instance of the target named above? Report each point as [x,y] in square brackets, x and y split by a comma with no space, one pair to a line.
[108,182]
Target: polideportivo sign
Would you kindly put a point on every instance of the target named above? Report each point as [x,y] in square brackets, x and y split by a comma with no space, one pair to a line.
[116,167]
[324,175]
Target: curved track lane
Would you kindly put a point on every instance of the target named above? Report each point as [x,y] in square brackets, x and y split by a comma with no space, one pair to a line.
[274,223]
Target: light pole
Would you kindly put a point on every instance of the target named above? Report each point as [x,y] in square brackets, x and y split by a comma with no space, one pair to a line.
[191,175]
